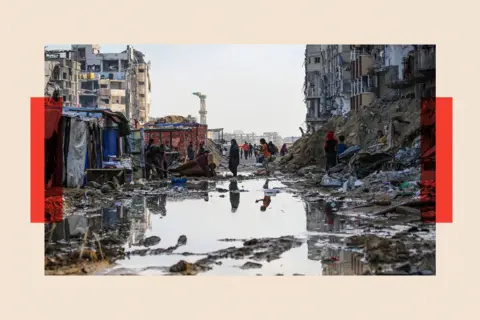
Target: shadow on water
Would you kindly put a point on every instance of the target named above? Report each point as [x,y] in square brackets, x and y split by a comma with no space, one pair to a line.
[150,234]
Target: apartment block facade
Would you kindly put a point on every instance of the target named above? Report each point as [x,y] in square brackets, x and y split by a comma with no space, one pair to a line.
[391,72]
[327,85]
[62,70]
[117,81]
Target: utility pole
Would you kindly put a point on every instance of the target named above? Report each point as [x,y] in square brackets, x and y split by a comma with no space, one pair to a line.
[127,89]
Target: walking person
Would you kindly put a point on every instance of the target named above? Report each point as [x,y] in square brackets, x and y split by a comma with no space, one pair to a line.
[283,151]
[250,150]
[241,152]
[272,148]
[234,157]
[190,151]
[330,148]
[265,153]
[245,150]
[163,160]
[201,149]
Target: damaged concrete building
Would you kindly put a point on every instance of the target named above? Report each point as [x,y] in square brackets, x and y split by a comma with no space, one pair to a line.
[327,83]
[117,81]
[391,72]
[63,71]
[344,78]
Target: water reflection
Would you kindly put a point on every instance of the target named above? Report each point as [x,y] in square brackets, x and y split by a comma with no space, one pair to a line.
[322,217]
[234,195]
[125,221]
[267,198]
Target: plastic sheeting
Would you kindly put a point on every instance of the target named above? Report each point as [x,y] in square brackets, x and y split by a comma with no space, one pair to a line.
[77,152]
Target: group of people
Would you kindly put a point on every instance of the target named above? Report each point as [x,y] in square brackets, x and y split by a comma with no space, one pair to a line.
[263,153]
[247,150]
[334,148]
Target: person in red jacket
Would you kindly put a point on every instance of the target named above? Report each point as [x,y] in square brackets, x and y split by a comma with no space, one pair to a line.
[330,148]
[245,150]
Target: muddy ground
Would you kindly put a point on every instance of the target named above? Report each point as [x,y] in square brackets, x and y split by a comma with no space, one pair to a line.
[216,227]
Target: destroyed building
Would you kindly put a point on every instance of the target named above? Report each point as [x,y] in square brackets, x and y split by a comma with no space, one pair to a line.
[343,78]
[116,81]
[327,83]
[63,71]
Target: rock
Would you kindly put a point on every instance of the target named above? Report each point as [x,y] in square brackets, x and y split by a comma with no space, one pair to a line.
[151,241]
[358,241]
[182,240]
[180,266]
[306,170]
[221,190]
[298,274]
[94,184]
[251,265]
[382,250]
[408,211]
[250,242]
[106,188]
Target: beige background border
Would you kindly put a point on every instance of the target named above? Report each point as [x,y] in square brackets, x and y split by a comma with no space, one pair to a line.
[28,25]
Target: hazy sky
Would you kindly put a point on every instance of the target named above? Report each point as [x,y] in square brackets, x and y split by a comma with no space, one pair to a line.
[249,87]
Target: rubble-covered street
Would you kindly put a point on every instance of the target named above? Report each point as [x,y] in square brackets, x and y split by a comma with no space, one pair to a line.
[215,227]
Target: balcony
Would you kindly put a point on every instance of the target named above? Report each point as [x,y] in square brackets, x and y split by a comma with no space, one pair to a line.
[313,93]
[117,92]
[141,76]
[425,61]
[115,107]
[104,92]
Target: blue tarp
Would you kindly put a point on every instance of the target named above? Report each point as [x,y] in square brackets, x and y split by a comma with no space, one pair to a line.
[109,142]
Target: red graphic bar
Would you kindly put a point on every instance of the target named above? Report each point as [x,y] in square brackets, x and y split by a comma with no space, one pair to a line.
[46,202]
[444,161]
[37,159]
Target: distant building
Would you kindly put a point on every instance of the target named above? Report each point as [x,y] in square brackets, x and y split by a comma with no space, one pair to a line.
[63,71]
[252,137]
[118,81]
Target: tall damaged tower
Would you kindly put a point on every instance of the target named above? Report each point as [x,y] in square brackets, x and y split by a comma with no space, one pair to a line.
[203,107]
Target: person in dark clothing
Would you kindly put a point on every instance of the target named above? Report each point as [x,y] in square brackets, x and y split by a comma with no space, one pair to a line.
[163,165]
[250,150]
[201,149]
[149,145]
[330,148]
[234,157]
[152,160]
[190,151]
[273,148]
[283,151]
[341,145]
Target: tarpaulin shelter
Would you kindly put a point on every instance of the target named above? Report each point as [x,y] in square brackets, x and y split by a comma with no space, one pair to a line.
[74,142]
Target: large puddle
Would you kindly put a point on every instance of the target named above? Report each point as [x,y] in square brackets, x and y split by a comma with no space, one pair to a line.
[225,218]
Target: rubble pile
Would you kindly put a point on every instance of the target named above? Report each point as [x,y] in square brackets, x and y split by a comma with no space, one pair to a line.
[399,120]
[173,119]
[306,151]
[212,147]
